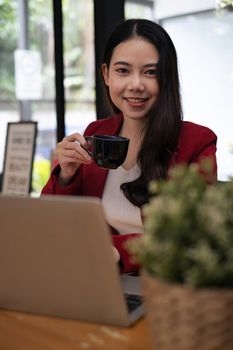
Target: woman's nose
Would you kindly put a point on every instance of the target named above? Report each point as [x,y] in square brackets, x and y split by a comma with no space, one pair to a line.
[136,82]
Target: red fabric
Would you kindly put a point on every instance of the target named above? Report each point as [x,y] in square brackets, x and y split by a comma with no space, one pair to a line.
[195,143]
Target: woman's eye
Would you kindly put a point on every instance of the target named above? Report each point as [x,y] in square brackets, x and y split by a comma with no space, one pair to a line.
[122,70]
[151,72]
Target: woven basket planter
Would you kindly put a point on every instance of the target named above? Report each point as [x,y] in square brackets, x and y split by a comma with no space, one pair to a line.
[184,318]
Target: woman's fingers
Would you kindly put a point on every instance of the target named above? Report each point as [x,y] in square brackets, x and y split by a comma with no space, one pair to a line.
[116,254]
[77,137]
[76,155]
[71,154]
[76,142]
[71,150]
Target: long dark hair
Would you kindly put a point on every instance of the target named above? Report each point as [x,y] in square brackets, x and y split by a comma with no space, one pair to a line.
[163,127]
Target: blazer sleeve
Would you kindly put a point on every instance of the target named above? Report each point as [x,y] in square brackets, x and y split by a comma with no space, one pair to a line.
[76,184]
[208,152]
[53,187]
[196,144]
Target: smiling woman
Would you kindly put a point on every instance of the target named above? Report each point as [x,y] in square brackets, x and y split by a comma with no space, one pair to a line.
[142,86]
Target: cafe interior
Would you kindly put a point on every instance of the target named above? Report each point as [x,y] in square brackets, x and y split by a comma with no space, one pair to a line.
[50,87]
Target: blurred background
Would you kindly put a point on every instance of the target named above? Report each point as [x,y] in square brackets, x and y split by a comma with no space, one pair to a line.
[48,67]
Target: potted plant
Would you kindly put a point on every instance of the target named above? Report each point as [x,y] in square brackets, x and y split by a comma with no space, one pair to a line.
[224,5]
[186,256]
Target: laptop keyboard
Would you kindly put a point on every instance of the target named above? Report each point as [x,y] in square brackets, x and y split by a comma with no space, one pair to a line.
[133,301]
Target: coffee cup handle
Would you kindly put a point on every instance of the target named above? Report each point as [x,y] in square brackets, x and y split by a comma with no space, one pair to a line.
[88,138]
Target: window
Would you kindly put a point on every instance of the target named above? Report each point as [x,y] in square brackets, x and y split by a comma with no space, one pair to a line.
[79,64]
[139,9]
[205,54]
[28,24]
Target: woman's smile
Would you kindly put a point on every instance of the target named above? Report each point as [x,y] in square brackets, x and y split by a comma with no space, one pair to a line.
[135,102]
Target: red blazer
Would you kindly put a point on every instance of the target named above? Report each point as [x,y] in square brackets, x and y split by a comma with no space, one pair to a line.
[195,142]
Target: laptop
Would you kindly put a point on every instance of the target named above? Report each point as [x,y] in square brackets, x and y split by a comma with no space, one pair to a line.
[56,259]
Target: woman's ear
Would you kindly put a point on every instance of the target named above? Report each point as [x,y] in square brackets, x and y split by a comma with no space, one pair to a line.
[105,73]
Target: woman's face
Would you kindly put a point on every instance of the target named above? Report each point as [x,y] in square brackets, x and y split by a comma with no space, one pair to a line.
[132,77]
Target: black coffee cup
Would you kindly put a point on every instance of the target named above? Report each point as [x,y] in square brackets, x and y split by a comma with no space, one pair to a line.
[108,151]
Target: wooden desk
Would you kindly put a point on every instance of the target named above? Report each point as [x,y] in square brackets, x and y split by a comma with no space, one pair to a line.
[20,331]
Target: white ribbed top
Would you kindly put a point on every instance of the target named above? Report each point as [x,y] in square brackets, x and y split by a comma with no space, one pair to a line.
[119,212]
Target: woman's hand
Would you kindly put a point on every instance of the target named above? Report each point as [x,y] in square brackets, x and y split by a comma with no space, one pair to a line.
[71,154]
[116,254]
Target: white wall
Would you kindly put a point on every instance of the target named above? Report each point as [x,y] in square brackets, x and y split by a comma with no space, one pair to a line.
[167,8]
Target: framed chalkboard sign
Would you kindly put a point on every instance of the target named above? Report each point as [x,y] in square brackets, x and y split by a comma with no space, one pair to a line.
[18,159]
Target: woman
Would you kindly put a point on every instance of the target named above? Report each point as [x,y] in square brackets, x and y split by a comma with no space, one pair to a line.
[140,73]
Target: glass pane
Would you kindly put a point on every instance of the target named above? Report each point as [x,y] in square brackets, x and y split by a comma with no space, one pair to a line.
[137,9]
[31,29]
[205,52]
[79,64]
[8,43]
[41,37]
